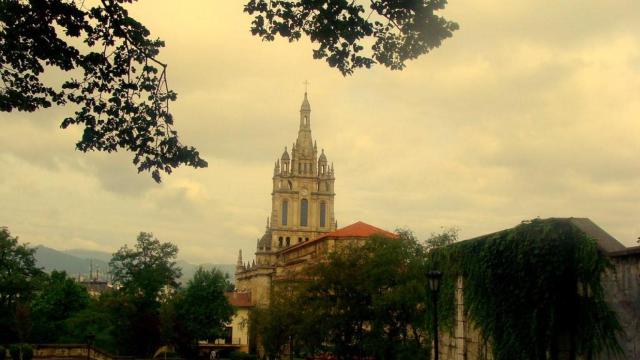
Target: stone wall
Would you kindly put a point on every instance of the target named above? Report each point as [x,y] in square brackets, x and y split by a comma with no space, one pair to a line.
[71,351]
[622,288]
[465,343]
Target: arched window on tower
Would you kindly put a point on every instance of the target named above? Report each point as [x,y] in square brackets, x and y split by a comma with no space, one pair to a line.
[323,214]
[290,184]
[285,211]
[304,209]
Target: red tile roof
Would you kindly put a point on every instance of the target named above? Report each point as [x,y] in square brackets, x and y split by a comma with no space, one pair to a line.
[358,229]
[239,299]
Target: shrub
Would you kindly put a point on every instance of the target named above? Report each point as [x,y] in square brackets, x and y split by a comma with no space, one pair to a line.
[14,351]
[27,352]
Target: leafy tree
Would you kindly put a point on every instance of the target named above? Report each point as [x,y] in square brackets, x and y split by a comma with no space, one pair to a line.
[19,277]
[370,299]
[120,86]
[397,31]
[447,237]
[274,324]
[100,318]
[146,276]
[203,306]
[58,299]
[147,271]
[121,89]
[200,311]
[364,300]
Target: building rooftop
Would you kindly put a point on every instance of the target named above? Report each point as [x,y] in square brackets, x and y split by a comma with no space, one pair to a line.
[358,229]
[607,243]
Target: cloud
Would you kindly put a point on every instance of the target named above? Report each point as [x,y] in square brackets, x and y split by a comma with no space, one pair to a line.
[527,111]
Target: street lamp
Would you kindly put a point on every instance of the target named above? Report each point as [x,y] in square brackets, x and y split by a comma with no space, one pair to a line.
[434,278]
[290,348]
[90,338]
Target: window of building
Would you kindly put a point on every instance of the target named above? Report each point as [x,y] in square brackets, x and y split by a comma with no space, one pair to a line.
[306,239]
[285,211]
[280,241]
[299,239]
[288,242]
[304,209]
[290,184]
[323,214]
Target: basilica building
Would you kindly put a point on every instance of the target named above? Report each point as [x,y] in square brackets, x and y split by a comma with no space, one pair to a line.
[302,225]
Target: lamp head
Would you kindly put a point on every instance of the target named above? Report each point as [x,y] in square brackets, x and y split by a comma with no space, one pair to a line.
[434,277]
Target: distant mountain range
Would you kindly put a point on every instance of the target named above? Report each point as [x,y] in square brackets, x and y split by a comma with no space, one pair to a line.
[80,261]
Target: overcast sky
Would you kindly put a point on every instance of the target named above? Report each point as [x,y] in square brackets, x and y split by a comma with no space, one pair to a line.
[531,109]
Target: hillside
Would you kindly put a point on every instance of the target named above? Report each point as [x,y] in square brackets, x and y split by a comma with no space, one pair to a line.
[78,262]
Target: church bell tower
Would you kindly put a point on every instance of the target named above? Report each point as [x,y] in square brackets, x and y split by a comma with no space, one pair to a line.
[302,196]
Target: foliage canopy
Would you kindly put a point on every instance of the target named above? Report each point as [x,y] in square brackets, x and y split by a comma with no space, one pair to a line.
[202,305]
[112,72]
[397,31]
[146,270]
[19,279]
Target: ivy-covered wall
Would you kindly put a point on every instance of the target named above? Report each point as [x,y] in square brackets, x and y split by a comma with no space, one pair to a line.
[533,292]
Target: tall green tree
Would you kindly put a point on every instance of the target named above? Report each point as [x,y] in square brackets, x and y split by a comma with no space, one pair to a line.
[58,299]
[446,237]
[203,305]
[199,311]
[145,275]
[363,300]
[148,270]
[19,277]
[371,299]
[118,83]
[282,320]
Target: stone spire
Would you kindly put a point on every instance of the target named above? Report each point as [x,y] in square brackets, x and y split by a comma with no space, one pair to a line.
[304,143]
[239,264]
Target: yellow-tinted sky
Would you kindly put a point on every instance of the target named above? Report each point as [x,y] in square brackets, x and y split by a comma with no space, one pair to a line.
[531,109]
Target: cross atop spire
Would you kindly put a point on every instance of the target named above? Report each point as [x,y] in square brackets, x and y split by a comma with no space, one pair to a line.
[306,86]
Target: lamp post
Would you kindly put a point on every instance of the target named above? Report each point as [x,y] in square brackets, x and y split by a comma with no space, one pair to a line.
[290,348]
[90,338]
[434,278]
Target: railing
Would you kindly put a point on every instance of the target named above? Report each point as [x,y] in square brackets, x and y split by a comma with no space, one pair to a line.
[74,351]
